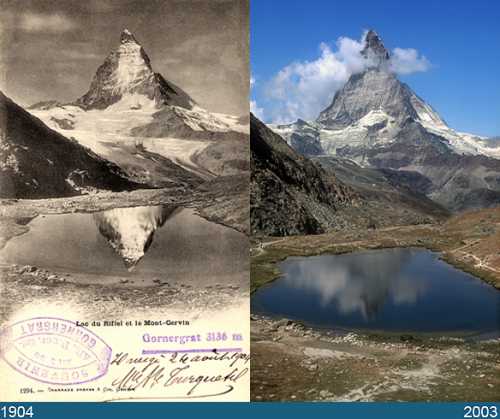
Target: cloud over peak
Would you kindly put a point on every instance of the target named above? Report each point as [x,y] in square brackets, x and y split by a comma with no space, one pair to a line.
[407,61]
[303,88]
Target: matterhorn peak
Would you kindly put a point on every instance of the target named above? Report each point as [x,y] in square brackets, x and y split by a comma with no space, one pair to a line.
[126,78]
[375,93]
[127,36]
[374,48]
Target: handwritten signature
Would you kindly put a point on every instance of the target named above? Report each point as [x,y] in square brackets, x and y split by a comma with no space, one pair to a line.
[173,370]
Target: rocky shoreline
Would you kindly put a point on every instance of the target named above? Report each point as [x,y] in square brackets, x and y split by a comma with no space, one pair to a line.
[291,361]
[98,297]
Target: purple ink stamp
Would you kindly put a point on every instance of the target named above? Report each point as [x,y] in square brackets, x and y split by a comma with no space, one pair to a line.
[54,351]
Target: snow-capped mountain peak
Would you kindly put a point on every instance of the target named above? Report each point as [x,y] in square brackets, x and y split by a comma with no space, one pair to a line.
[377,89]
[127,75]
[127,36]
[378,121]
[131,115]
[374,48]
[133,66]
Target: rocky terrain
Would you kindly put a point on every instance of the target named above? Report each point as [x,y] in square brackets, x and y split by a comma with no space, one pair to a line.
[384,192]
[292,194]
[379,122]
[289,193]
[37,162]
[26,285]
[292,362]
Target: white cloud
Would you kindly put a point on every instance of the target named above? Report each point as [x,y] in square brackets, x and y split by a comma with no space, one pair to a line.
[303,89]
[256,110]
[45,22]
[407,61]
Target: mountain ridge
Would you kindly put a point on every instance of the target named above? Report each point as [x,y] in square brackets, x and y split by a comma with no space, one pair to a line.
[37,162]
[377,121]
[127,71]
[146,125]
[291,194]
[288,193]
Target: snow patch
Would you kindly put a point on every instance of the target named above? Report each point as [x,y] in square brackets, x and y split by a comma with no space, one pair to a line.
[133,101]
[372,118]
[105,131]
[199,119]
[132,68]
[233,122]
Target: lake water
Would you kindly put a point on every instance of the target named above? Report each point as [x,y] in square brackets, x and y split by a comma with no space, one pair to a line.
[392,290]
[148,242]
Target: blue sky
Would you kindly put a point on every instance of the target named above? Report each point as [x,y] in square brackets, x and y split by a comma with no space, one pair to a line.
[456,66]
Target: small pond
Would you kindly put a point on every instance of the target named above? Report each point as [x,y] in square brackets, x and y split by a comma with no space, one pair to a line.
[148,242]
[392,290]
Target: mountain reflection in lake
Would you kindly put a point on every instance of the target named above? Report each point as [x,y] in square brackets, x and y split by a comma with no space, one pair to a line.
[159,242]
[354,286]
[130,231]
[393,289]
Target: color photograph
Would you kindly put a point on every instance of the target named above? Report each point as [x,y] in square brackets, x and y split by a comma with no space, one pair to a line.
[375,199]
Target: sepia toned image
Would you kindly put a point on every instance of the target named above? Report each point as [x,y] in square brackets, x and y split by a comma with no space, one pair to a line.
[124,215]
[375,198]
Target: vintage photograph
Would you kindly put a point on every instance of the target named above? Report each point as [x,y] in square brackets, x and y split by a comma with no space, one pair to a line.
[375,193]
[124,214]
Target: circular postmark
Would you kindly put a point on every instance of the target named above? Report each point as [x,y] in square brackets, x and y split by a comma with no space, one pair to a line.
[54,351]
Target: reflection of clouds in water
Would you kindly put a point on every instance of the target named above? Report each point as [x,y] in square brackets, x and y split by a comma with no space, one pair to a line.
[129,231]
[407,291]
[356,282]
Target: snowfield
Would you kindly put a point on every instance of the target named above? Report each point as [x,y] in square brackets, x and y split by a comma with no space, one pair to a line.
[103,131]
[358,134]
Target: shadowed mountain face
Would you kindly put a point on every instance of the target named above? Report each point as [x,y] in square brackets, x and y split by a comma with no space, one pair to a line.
[127,73]
[386,196]
[292,194]
[289,193]
[37,162]
[130,231]
[379,122]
